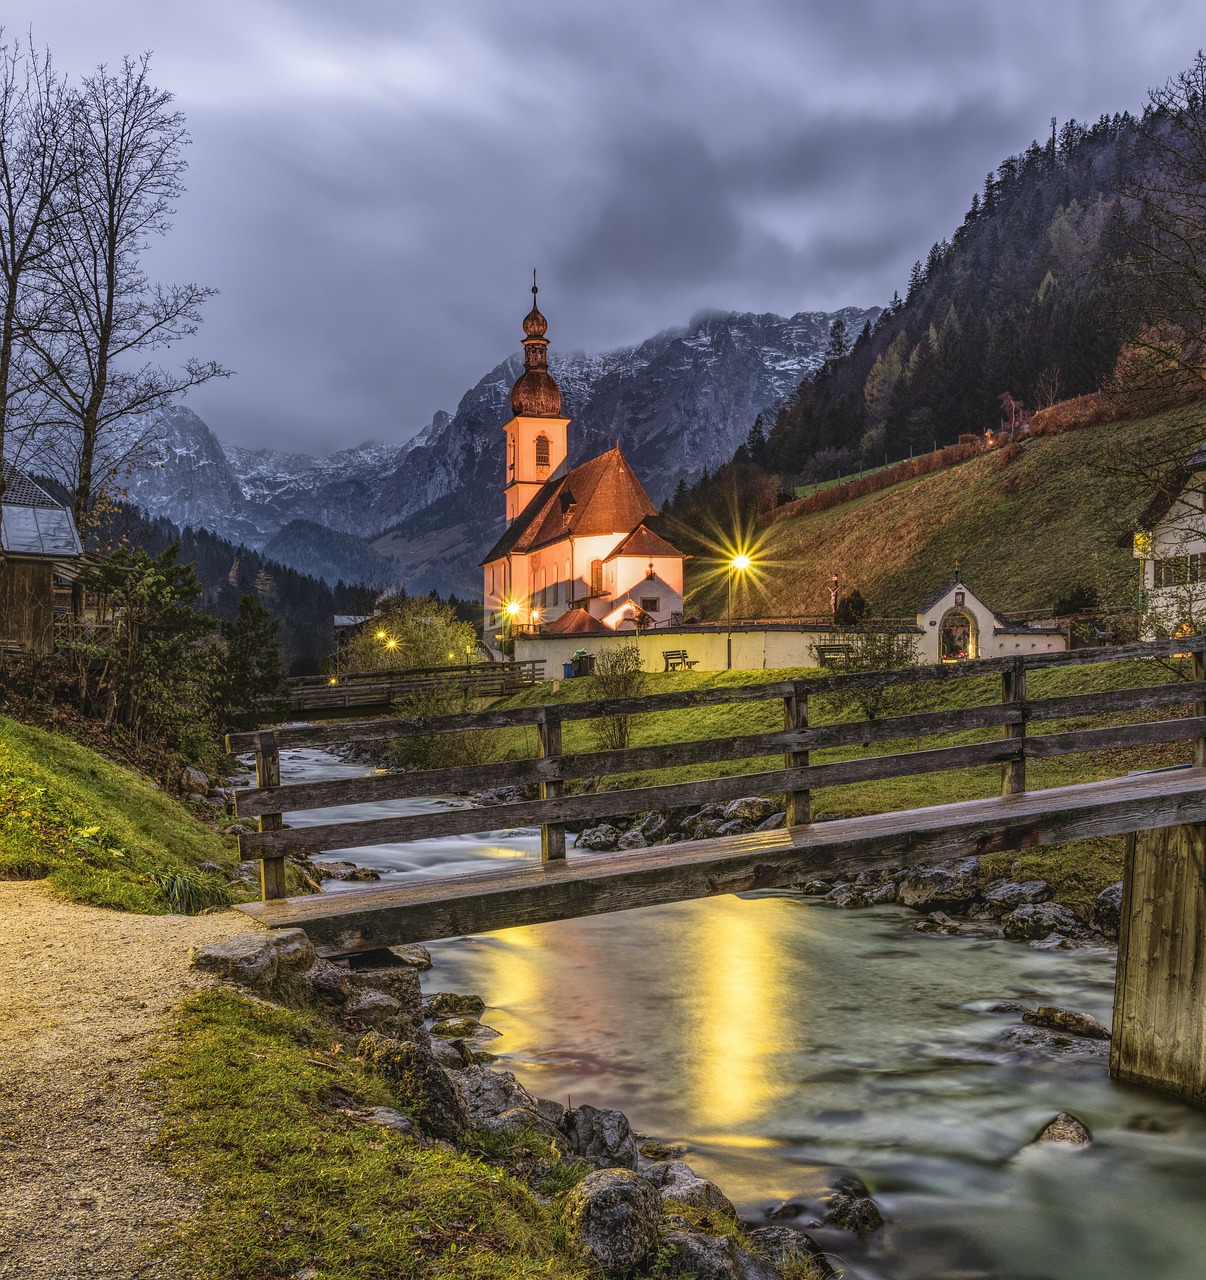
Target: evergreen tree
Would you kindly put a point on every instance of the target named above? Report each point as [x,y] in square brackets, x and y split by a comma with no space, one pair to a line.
[252,678]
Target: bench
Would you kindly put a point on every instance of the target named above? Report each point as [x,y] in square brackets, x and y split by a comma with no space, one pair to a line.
[677,660]
[832,655]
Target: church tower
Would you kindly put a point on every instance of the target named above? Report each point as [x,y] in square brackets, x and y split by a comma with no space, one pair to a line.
[536,434]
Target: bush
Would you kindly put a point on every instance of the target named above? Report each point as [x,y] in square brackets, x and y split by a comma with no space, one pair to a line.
[618,674]
[441,750]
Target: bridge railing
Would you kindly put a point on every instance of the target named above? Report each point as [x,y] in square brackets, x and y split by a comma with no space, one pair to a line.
[552,769]
[350,689]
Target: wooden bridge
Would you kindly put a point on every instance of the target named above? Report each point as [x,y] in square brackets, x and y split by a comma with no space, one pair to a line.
[1160,1011]
[365,690]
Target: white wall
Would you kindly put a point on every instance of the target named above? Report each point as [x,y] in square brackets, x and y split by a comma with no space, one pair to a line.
[992,642]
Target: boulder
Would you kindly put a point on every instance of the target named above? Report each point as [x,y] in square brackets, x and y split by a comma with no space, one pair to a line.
[1107,910]
[388,1118]
[788,1249]
[953,885]
[654,1149]
[489,1093]
[600,838]
[702,828]
[333,870]
[676,1180]
[847,895]
[1040,919]
[294,951]
[733,827]
[612,1216]
[1042,1042]
[250,959]
[883,893]
[814,888]
[773,822]
[749,809]
[329,981]
[652,827]
[1054,942]
[1077,1024]
[1004,898]
[376,1009]
[456,1028]
[852,1212]
[632,840]
[423,1087]
[714,1258]
[519,1121]
[400,984]
[445,1004]
[451,1054]
[940,923]
[602,1137]
[415,956]
[194,781]
[1065,1129]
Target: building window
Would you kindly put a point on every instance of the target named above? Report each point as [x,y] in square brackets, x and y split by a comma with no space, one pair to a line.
[491,579]
[596,577]
[957,637]
[556,591]
[544,588]
[542,453]
[1180,571]
[651,604]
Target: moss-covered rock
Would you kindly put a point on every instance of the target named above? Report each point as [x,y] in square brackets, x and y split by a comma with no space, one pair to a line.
[423,1088]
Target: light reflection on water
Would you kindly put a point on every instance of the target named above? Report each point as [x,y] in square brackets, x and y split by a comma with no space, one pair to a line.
[780,1038]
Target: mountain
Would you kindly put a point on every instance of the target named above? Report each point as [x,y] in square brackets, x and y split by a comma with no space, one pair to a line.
[679,403]
[325,553]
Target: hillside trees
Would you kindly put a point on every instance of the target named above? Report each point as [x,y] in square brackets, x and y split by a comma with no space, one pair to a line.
[416,631]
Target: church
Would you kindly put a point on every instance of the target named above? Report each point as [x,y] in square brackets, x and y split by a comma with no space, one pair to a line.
[576,556]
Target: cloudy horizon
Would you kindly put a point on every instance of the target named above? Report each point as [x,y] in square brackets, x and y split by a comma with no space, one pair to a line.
[369,189]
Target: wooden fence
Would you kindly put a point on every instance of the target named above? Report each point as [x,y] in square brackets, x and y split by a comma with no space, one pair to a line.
[552,769]
[380,688]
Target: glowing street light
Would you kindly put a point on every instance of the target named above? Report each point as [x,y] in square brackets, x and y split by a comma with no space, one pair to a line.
[738,563]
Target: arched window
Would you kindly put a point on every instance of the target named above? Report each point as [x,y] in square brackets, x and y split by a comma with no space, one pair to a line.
[957,638]
[596,577]
[544,587]
[542,452]
[491,579]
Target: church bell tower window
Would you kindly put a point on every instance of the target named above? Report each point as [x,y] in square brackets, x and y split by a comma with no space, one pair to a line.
[542,455]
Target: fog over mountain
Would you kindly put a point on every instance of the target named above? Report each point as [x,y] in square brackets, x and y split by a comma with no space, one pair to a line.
[678,403]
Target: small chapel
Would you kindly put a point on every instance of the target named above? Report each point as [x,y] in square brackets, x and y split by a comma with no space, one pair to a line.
[577,556]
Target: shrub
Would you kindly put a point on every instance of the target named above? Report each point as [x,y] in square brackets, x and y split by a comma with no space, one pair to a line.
[441,750]
[618,674]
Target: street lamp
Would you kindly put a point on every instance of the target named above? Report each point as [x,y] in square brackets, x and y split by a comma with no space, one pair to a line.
[510,613]
[737,564]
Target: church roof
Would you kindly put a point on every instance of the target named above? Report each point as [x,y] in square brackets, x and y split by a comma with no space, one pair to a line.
[599,497]
[575,622]
[644,543]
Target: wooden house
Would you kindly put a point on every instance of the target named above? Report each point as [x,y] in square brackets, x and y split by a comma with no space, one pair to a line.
[41,549]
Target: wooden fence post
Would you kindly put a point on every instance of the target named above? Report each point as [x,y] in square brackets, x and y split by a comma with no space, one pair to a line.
[1199,708]
[1013,689]
[268,774]
[1159,1035]
[552,834]
[795,717]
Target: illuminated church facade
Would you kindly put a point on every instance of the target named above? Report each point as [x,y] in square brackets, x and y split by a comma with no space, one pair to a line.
[577,556]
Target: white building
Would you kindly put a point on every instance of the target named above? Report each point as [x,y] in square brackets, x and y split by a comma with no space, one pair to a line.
[1170,545]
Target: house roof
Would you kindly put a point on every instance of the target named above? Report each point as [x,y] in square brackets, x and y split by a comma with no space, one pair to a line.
[32,523]
[574,622]
[599,497]
[643,544]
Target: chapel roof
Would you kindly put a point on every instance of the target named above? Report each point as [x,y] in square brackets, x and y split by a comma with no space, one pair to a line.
[643,543]
[601,496]
[575,622]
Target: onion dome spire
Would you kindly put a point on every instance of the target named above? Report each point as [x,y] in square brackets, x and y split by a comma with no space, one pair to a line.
[535,395]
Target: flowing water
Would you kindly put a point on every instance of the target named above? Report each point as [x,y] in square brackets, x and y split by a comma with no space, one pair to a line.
[780,1039]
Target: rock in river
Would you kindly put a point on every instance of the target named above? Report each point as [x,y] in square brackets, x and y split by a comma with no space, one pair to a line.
[676,1180]
[1041,919]
[1066,1129]
[954,885]
[1004,898]
[1107,910]
[1078,1024]
[604,1138]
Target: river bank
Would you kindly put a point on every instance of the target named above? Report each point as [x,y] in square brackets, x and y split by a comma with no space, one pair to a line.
[780,1039]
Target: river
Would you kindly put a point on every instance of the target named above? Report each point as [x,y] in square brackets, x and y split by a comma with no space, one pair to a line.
[780,1039]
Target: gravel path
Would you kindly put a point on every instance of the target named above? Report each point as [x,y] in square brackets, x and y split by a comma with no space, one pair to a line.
[83,994]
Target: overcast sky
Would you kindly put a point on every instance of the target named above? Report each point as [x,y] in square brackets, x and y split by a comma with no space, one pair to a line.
[372,181]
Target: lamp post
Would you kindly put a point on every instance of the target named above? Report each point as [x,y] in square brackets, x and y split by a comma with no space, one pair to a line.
[739,564]
[510,613]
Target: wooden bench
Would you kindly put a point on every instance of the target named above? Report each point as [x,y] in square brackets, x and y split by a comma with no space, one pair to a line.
[677,660]
[831,655]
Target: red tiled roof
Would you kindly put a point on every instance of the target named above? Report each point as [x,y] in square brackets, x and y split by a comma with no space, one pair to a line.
[644,543]
[574,622]
[600,496]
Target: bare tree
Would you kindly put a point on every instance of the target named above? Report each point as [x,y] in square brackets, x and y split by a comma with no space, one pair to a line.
[34,164]
[108,316]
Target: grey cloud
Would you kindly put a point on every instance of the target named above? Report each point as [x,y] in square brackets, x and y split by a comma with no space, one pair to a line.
[371,183]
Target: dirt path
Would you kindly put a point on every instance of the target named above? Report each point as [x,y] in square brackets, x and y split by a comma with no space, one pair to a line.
[83,994]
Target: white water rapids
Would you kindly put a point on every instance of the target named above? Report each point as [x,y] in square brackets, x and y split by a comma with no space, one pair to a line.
[780,1039]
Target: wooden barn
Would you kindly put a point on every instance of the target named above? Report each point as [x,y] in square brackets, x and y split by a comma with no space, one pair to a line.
[41,545]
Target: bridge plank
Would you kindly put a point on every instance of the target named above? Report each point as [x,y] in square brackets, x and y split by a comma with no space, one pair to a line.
[344,923]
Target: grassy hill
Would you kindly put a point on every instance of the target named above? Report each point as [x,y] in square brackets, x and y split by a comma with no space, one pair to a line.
[99,832]
[1026,523]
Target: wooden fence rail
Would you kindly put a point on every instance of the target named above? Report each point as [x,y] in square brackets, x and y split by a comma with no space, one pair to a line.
[551,769]
[362,689]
